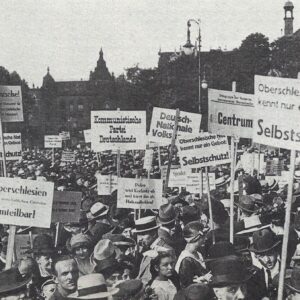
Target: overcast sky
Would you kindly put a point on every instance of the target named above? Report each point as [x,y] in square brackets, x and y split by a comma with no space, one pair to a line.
[66,35]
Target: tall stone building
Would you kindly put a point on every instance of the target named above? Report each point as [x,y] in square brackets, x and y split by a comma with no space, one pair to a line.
[66,105]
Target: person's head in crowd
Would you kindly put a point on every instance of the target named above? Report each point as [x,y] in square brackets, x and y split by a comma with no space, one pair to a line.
[93,286]
[229,277]
[190,213]
[167,217]
[219,214]
[13,285]
[43,251]
[162,266]
[3,245]
[66,274]
[146,230]
[48,288]
[80,227]
[81,246]
[98,211]
[194,236]
[105,262]
[195,291]
[252,185]
[130,290]
[265,247]
[246,205]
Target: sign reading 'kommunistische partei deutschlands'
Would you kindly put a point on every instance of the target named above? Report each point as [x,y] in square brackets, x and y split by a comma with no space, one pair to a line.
[277,112]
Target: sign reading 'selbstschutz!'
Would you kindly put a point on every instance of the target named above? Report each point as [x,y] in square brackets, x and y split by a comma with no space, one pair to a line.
[139,193]
[163,122]
[277,112]
[203,150]
[26,202]
[112,130]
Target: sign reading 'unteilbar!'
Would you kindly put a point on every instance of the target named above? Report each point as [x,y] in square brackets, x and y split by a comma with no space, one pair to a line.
[277,112]
[112,130]
[203,150]
[230,113]
[26,202]
[11,107]
[139,193]
[163,122]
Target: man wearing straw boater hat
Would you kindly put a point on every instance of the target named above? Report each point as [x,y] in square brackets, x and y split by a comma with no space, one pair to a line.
[149,245]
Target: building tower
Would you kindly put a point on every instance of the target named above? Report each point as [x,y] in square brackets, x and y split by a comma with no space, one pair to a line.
[288,18]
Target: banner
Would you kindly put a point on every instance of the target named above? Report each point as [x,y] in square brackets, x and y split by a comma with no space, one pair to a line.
[230,113]
[139,193]
[68,156]
[26,202]
[106,184]
[203,150]
[22,244]
[177,178]
[277,112]
[65,135]
[66,207]
[11,107]
[163,122]
[194,183]
[53,141]
[148,159]
[87,135]
[13,146]
[112,130]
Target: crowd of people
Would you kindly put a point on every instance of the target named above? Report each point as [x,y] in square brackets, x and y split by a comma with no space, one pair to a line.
[177,252]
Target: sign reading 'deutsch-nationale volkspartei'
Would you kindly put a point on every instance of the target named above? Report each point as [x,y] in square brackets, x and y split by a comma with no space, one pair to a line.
[26,202]
[230,113]
[203,150]
[11,107]
[277,112]
[113,130]
[163,122]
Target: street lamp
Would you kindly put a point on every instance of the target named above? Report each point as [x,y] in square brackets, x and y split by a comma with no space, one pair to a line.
[188,49]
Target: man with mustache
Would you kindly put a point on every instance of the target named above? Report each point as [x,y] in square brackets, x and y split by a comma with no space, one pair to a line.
[66,276]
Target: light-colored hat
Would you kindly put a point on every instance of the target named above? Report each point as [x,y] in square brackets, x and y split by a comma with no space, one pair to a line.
[92,286]
[104,254]
[97,210]
[145,224]
[80,239]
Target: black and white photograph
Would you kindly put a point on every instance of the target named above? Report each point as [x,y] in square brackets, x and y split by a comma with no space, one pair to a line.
[150,150]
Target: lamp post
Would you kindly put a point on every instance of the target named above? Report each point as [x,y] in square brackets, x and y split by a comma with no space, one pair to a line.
[188,49]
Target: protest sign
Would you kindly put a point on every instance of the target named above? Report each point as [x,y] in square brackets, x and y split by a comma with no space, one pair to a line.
[203,150]
[65,135]
[113,130]
[230,113]
[194,183]
[212,182]
[68,156]
[251,161]
[274,167]
[26,202]
[177,178]
[11,107]
[277,112]
[13,146]
[106,184]
[163,122]
[163,170]
[66,207]
[87,135]
[139,193]
[148,159]
[53,141]
[22,244]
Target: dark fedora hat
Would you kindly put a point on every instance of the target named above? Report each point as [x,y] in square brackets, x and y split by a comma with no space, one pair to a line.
[129,288]
[292,279]
[247,204]
[166,214]
[264,240]
[197,291]
[227,271]
[11,280]
[43,244]
[219,250]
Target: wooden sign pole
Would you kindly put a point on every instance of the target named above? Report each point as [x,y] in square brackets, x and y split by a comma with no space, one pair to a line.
[211,223]
[171,150]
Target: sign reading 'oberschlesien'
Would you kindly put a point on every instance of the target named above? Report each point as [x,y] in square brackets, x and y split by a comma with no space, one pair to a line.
[230,113]
[163,122]
[203,150]
[277,112]
[112,130]
[26,202]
